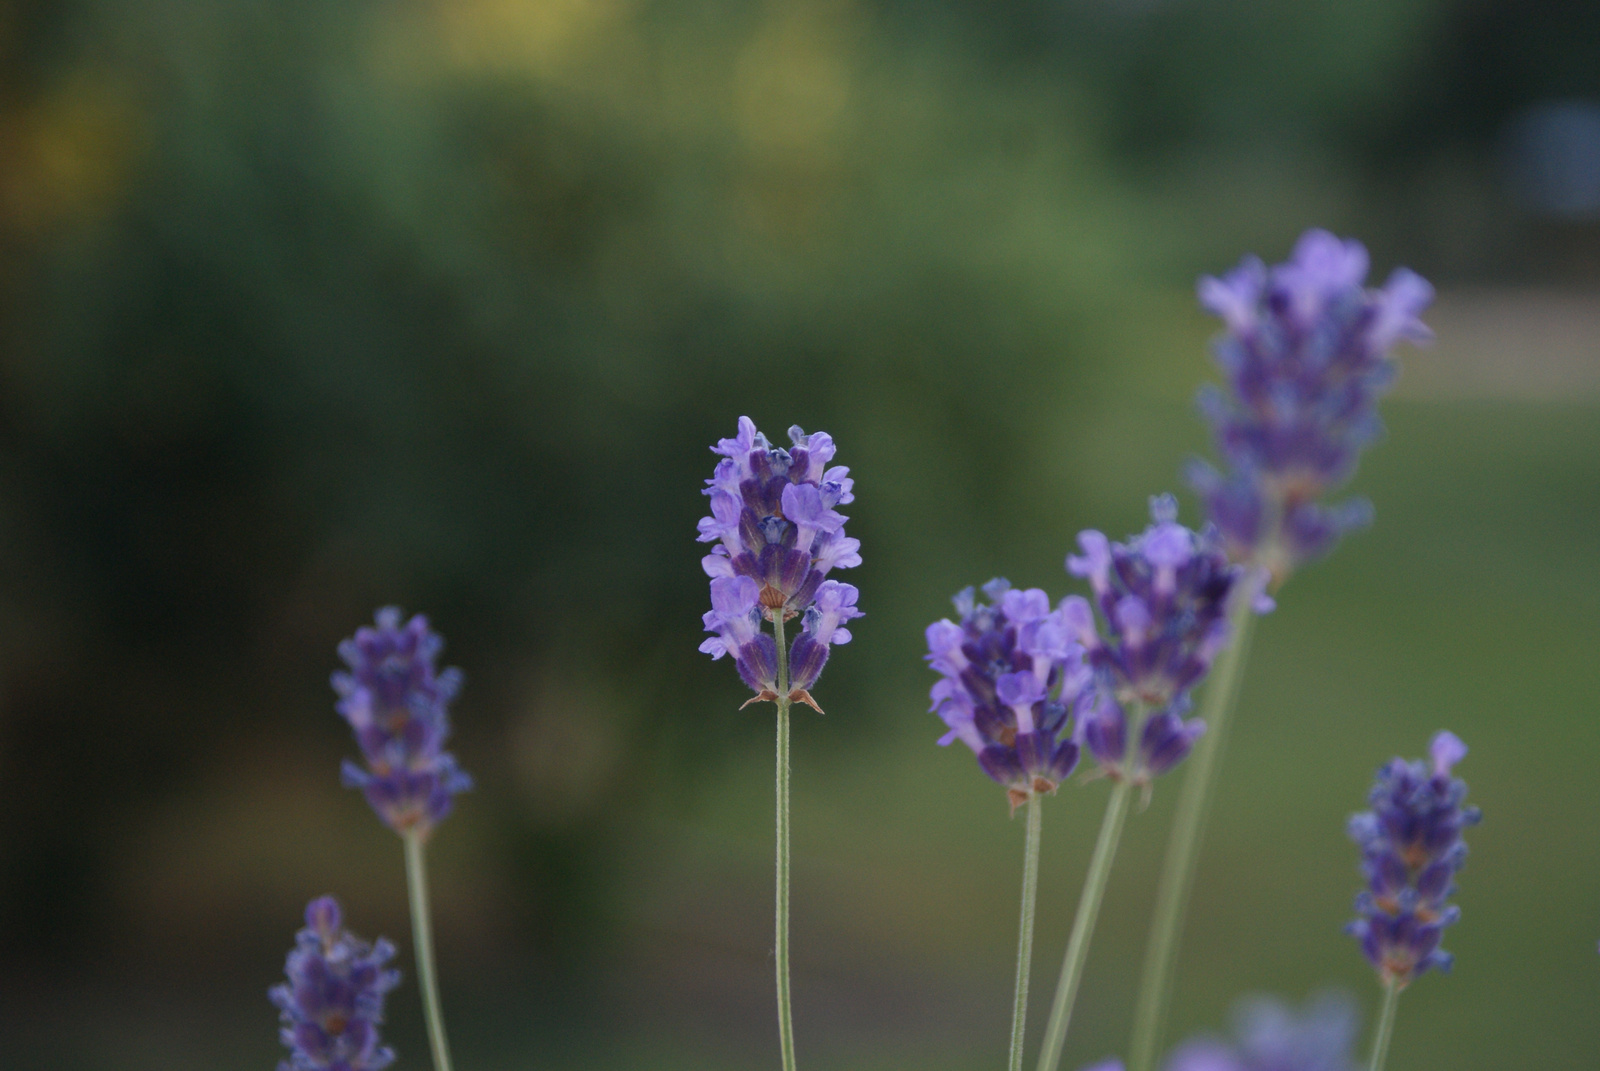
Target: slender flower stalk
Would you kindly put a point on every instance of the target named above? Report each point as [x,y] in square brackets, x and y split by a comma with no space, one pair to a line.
[398,705]
[422,935]
[1183,845]
[1094,890]
[781,921]
[1380,1040]
[776,536]
[1306,356]
[1030,896]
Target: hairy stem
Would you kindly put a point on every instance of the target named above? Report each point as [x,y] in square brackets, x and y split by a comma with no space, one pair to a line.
[1094,888]
[1380,1043]
[785,1015]
[1030,890]
[422,937]
[1183,844]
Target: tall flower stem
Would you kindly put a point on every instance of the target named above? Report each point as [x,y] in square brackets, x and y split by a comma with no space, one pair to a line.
[1380,1043]
[422,936]
[1183,844]
[1030,897]
[1094,888]
[785,1015]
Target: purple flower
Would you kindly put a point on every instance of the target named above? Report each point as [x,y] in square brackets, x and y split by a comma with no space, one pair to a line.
[777,537]
[1306,357]
[735,617]
[398,706]
[1011,675]
[1411,848]
[1271,1036]
[835,604]
[773,517]
[332,1004]
[1163,602]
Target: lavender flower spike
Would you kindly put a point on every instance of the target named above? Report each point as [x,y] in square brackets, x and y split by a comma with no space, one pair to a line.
[1011,676]
[332,1004]
[777,536]
[773,517]
[1411,848]
[1163,599]
[398,706]
[1306,355]
[1273,1037]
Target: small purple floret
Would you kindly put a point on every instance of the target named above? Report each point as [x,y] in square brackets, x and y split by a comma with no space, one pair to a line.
[1306,356]
[1271,1036]
[777,537]
[1011,676]
[398,706]
[1411,849]
[332,1004]
[1163,603]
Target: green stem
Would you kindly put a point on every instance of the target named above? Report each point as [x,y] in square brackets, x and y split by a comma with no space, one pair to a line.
[1030,890]
[785,1015]
[1380,1043]
[1183,845]
[422,937]
[1094,888]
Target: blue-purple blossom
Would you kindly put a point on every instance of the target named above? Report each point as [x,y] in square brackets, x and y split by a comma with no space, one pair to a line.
[835,603]
[773,517]
[1271,1036]
[1011,676]
[332,1003]
[777,537]
[1306,355]
[398,706]
[1411,848]
[1163,603]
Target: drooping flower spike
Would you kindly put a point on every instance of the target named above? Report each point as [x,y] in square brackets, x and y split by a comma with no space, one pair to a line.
[332,1004]
[398,706]
[1411,849]
[1306,356]
[777,537]
[1011,677]
[1163,602]
[1271,1036]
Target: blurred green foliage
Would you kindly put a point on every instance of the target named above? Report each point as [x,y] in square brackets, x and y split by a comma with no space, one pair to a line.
[310,307]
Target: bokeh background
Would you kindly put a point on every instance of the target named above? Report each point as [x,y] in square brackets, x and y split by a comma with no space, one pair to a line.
[310,307]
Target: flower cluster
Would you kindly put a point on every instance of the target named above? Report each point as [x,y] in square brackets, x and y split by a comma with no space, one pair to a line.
[333,1001]
[1306,357]
[777,537]
[1411,848]
[398,706]
[1272,1037]
[1011,677]
[1163,597]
